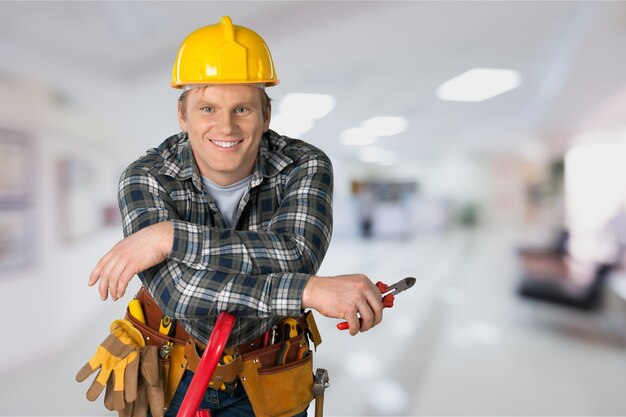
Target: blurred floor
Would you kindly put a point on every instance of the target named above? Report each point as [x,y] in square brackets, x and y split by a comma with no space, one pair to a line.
[459,343]
[462,343]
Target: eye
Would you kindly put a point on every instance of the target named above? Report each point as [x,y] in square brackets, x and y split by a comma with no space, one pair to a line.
[241,110]
[208,109]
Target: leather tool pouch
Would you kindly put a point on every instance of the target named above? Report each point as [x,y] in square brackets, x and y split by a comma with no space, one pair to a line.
[174,364]
[283,390]
[274,390]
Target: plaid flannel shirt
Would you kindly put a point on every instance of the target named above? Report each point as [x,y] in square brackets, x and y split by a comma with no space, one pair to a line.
[256,271]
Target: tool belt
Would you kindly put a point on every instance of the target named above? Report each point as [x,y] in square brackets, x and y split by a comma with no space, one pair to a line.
[278,378]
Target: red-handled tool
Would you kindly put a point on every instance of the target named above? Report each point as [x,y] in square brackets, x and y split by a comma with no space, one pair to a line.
[206,367]
[388,299]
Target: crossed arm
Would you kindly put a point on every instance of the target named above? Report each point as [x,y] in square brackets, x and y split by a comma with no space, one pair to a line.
[195,271]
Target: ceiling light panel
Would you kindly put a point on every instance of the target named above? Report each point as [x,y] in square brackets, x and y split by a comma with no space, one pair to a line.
[314,106]
[357,136]
[291,125]
[379,155]
[386,125]
[479,84]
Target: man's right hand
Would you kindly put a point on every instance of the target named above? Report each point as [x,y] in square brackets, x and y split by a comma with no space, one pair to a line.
[135,253]
[345,297]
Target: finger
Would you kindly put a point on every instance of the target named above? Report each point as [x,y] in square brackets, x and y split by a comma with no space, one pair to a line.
[126,276]
[85,371]
[95,390]
[103,286]
[353,322]
[115,275]
[155,400]
[108,395]
[150,365]
[108,279]
[141,404]
[97,275]
[376,305]
[99,383]
[114,268]
[97,270]
[127,411]
[93,277]
[367,317]
[131,374]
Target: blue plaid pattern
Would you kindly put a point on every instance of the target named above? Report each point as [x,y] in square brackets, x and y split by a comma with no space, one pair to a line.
[256,271]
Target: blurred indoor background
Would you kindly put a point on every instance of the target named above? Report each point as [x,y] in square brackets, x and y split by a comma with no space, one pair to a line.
[504,197]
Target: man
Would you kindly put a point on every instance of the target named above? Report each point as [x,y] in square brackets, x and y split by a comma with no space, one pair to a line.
[228,215]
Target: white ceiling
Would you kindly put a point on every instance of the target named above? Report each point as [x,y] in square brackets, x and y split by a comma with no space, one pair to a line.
[376,58]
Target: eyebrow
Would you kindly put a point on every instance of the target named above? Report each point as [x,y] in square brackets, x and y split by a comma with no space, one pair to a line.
[204,102]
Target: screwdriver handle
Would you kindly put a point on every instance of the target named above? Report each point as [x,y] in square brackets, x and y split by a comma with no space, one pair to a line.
[134,307]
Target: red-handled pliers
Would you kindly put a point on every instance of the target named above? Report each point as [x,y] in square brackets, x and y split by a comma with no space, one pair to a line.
[388,299]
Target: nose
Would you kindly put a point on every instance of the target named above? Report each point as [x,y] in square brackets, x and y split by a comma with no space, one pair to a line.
[226,123]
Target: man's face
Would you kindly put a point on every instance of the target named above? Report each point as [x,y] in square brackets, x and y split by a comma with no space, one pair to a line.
[224,124]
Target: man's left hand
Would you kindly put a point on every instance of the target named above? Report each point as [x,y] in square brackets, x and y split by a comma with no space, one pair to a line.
[143,249]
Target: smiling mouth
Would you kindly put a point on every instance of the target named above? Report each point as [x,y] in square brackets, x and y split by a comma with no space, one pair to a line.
[223,144]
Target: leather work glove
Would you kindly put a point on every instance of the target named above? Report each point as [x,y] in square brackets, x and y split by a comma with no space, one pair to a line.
[150,392]
[117,359]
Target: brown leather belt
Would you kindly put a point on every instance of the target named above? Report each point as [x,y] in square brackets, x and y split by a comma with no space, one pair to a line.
[228,373]
[195,348]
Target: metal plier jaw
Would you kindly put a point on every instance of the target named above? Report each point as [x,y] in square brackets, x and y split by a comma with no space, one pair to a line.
[388,297]
[398,287]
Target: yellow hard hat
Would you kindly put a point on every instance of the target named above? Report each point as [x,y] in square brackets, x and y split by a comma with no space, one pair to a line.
[223,54]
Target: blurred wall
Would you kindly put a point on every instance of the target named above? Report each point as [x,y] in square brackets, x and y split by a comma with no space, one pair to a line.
[82,127]
[69,184]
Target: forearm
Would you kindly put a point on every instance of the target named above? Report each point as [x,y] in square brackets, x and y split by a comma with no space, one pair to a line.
[249,252]
[184,293]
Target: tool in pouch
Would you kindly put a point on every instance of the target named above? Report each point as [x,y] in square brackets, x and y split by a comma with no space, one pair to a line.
[167,326]
[389,297]
[289,329]
[134,307]
[319,386]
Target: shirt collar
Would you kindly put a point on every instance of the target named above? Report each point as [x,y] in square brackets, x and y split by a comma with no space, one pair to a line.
[271,159]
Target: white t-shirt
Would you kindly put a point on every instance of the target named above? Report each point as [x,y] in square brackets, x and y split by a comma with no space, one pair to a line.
[227,198]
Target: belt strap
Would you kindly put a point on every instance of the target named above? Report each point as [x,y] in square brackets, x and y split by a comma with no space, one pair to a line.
[223,373]
[310,327]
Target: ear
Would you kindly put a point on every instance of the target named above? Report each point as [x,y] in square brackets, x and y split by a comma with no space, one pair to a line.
[266,120]
[182,120]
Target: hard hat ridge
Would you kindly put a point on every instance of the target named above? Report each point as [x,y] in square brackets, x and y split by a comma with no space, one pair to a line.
[229,30]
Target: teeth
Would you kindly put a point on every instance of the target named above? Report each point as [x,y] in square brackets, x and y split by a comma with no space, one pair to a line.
[225,144]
